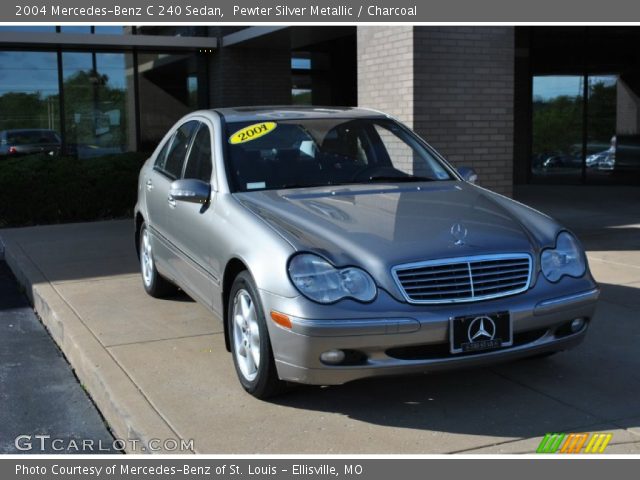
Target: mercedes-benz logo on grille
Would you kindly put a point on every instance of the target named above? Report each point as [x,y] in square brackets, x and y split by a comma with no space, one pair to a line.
[459,233]
[481,328]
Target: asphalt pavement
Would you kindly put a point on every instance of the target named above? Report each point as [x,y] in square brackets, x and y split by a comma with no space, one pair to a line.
[43,407]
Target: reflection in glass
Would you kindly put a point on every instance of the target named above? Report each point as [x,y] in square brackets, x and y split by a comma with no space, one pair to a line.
[111,30]
[557,127]
[301,96]
[613,129]
[75,29]
[29,91]
[301,85]
[96,102]
[300,63]
[34,28]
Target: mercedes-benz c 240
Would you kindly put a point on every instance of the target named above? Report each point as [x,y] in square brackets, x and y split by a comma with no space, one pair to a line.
[336,244]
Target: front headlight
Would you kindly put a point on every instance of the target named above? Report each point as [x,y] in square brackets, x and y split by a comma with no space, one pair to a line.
[566,259]
[321,282]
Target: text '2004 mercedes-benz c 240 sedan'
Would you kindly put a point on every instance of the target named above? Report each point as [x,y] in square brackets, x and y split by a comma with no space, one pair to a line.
[336,244]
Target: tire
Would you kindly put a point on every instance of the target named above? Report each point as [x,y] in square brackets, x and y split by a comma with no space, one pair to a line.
[249,339]
[154,284]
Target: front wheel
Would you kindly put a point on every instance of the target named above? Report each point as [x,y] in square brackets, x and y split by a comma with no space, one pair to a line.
[250,345]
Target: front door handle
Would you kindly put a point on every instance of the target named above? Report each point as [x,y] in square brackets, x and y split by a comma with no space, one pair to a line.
[149,185]
[171,201]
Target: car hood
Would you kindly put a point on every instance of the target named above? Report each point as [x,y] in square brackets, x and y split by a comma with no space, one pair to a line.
[380,226]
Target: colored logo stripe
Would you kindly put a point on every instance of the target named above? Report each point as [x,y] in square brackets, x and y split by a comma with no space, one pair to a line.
[598,443]
[574,442]
[550,443]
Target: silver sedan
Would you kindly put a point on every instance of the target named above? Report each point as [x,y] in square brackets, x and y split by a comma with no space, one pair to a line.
[336,244]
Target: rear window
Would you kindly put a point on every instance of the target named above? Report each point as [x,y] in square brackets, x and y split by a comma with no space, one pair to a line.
[32,137]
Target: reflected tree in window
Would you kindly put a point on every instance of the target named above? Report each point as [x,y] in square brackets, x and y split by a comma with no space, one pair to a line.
[29,90]
[94,111]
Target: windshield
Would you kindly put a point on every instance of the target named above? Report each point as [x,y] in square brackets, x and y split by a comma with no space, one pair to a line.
[319,152]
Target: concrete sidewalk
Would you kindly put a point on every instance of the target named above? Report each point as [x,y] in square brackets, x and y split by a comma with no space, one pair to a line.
[158,369]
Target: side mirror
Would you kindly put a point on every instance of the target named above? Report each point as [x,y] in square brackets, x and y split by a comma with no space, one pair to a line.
[468,174]
[190,190]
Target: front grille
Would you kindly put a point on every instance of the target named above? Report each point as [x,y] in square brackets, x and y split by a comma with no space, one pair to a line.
[464,279]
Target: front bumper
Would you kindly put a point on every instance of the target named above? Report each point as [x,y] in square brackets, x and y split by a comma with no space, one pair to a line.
[391,338]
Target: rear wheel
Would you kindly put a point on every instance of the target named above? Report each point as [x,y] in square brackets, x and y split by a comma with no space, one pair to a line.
[250,344]
[154,284]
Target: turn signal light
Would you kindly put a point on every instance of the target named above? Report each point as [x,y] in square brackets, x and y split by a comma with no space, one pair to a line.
[281,319]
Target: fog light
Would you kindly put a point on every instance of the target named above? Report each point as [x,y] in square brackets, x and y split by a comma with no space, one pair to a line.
[332,357]
[577,324]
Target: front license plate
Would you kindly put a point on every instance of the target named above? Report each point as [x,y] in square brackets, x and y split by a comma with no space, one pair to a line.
[477,333]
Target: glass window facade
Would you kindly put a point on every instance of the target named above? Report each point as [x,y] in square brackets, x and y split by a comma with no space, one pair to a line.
[75,29]
[29,95]
[101,102]
[584,94]
[111,30]
[98,103]
[557,127]
[34,28]
[301,93]
[585,128]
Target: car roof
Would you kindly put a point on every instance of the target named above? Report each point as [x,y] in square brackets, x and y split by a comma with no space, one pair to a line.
[261,113]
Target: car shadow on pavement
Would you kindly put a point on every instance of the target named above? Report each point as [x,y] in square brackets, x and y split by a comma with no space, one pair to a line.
[178,296]
[597,383]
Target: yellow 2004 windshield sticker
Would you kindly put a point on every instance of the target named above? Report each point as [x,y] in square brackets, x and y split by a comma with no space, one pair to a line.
[252,132]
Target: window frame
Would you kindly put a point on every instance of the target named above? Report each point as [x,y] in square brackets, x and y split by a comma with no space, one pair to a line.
[169,142]
[203,124]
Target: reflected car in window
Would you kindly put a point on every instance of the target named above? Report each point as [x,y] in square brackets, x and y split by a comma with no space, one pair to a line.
[335,244]
[562,162]
[604,160]
[19,142]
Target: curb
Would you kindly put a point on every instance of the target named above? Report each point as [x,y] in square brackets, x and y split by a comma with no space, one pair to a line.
[126,410]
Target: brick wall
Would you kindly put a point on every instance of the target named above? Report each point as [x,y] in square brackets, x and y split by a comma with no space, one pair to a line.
[463,83]
[385,70]
[452,85]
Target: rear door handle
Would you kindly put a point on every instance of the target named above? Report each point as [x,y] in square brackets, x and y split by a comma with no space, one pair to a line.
[149,185]
[171,201]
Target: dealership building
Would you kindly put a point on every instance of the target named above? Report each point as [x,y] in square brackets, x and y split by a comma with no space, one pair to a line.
[521,105]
